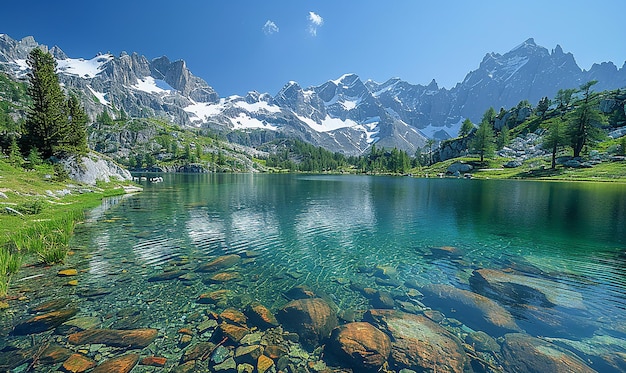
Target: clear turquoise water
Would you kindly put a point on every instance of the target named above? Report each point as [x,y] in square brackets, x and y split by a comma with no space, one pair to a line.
[326,231]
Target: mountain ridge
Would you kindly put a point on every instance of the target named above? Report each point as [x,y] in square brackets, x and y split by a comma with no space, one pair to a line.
[345,114]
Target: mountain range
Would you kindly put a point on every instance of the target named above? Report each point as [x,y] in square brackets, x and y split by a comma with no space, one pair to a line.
[345,115]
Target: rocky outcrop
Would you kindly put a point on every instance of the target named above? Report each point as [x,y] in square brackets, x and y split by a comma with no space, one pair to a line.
[93,168]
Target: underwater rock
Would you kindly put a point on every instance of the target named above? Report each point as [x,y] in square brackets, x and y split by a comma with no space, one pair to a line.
[537,320]
[165,276]
[233,332]
[385,272]
[260,316]
[121,364]
[214,296]
[476,311]
[219,263]
[11,358]
[313,319]
[78,324]
[197,351]
[482,341]
[220,354]
[136,338]
[46,321]
[224,277]
[300,292]
[523,353]
[78,363]
[417,342]
[67,272]
[54,354]
[264,364]
[233,316]
[53,305]
[94,293]
[275,352]
[248,354]
[227,366]
[511,287]
[153,361]
[361,345]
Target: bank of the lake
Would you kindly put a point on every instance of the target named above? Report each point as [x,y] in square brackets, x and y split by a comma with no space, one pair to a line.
[39,210]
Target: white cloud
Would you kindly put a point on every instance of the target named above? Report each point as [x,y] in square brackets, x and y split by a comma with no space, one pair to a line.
[270,28]
[315,21]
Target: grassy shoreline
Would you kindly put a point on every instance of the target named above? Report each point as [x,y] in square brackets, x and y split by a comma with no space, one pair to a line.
[38,214]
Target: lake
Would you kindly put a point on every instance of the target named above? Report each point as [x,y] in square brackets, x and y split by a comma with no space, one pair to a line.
[539,266]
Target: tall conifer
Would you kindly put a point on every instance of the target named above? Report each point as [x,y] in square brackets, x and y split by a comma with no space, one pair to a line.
[45,121]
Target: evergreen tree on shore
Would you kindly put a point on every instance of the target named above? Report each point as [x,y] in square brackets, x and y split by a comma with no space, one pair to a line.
[53,125]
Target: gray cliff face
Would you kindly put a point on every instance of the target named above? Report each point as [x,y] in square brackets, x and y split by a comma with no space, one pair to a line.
[345,115]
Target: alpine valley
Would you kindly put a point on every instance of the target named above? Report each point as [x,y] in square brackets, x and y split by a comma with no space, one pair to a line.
[344,115]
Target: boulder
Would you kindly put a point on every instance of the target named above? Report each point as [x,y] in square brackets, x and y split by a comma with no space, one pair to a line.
[312,319]
[476,311]
[517,288]
[512,164]
[136,338]
[459,167]
[94,167]
[360,345]
[523,353]
[418,343]
[46,321]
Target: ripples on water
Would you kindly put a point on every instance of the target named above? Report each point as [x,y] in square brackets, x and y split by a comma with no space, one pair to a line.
[322,231]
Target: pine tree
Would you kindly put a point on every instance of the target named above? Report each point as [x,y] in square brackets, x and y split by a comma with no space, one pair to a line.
[15,156]
[466,128]
[555,138]
[45,120]
[582,130]
[75,137]
[483,142]
[503,138]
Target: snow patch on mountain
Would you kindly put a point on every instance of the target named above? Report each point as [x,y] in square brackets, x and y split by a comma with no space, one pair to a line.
[20,68]
[100,96]
[83,68]
[203,110]
[150,85]
[257,106]
[328,124]
[244,121]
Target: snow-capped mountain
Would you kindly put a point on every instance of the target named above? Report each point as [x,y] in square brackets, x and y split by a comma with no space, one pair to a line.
[345,114]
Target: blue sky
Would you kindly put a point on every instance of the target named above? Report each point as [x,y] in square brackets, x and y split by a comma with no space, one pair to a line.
[238,46]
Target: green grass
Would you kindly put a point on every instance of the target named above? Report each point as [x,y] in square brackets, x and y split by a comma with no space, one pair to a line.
[43,232]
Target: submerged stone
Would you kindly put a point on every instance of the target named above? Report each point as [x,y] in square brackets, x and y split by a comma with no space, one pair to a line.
[214,296]
[41,323]
[153,361]
[78,363]
[417,342]
[313,319]
[523,353]
[121,364]
[137,338]
[54,354]
[220,263]
[360,345]
[475,310]
[67,272]
[165,276]
[260,316]
[517,288]
[53,305]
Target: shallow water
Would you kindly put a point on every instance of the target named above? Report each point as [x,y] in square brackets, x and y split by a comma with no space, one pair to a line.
[327,232]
